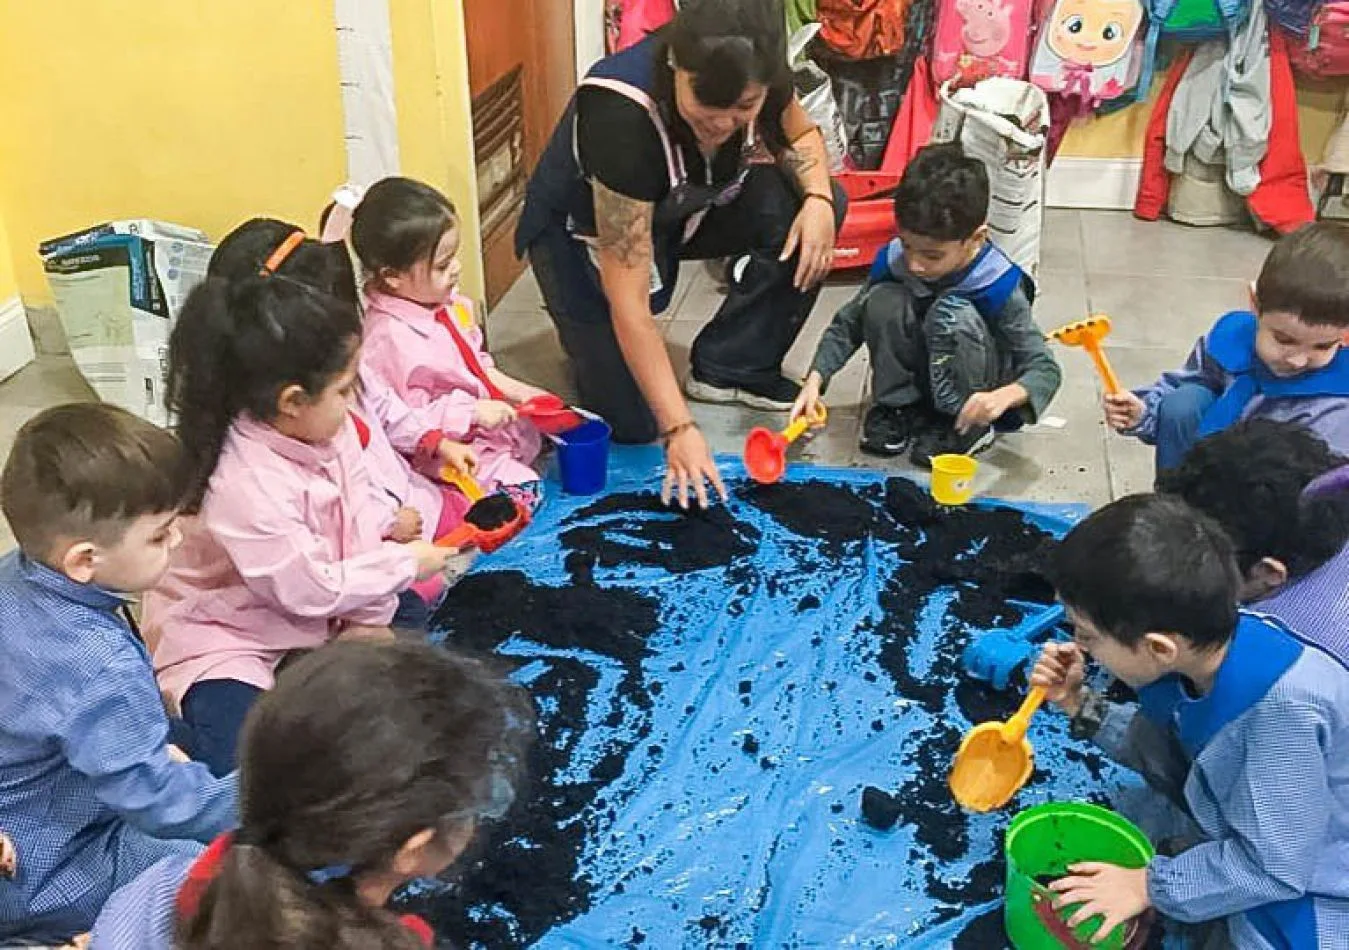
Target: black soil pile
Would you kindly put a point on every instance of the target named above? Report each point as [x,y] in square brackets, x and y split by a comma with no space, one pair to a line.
[492,512]
[835,515]
[635,528]
[528,878]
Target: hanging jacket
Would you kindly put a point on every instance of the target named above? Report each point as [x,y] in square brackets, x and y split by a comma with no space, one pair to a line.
[863,29]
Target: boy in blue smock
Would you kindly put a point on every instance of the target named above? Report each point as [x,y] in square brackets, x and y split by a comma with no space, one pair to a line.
[1285,361]
[946,319]
[1237,721]
[91,794]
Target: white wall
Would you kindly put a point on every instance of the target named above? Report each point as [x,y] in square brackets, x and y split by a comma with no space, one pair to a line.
[589,34]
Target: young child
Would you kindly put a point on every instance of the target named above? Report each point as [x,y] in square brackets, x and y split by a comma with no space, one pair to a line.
[331,827]
[404,476]
[286,552]
[1284,361]
[1292,547]
[1237,720]
[946,319]
[90,792]
[421,338]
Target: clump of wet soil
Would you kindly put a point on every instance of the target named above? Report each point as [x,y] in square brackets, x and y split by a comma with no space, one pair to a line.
[835,515]
[492,512]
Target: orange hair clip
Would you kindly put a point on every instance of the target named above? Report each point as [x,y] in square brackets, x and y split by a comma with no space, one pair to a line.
[282,252]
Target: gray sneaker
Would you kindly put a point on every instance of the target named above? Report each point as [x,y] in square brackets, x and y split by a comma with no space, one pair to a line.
[776,396]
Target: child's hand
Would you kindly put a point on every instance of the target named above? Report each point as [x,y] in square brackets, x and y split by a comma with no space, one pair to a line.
[431,558]
[458,456]
[1059,672]
[980,411]
[1123,410]
[9,857]
[178,755]
[808,402]
[493,413]
[407,525]
[1117,894]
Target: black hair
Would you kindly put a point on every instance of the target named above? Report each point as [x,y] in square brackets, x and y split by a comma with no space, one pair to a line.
[325,267]
[726,45]
[398,224]
[84,471]
[359,747]
[1150,564]
[1250,479]
[237,344]
[943,194]
[1307,274]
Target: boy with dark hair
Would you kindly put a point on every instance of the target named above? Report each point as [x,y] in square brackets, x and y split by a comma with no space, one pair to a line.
[1285,360]
[946,319]
[91,792]
[1292,546]
[1237,720]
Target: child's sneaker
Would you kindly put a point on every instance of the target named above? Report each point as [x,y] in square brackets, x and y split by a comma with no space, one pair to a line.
[887,430]
[941,438]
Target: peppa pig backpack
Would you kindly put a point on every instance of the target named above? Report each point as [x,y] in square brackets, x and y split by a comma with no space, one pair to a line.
[977,39]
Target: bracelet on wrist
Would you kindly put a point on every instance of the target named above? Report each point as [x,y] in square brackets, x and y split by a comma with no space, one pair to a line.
[827,199]
[675,429]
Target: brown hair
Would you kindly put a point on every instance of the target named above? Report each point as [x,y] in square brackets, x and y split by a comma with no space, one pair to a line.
[359,747]
[84,471]
[1307,275]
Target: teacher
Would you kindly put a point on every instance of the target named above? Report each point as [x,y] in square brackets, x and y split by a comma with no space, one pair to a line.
[687,146]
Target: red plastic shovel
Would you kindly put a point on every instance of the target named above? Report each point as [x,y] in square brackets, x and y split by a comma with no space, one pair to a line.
[766,450]
[550,414]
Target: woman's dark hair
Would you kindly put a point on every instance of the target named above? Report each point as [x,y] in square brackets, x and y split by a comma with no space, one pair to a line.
[1250,479]
[237,344]
[325,267]
[1150,564]
[726,45]
[359,747]
[398,224]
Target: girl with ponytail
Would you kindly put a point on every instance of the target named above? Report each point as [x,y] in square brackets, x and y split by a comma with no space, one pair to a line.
[368,765]
[286,551]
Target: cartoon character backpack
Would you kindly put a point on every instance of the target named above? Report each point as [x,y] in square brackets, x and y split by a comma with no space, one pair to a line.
[977,39]
[1089,48]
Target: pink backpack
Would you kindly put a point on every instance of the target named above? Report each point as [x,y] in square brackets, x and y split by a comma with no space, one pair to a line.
[627,22]
[1324,53]
[976,39]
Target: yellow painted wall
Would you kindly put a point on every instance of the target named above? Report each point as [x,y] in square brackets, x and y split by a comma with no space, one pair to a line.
[9,284]
[199,113]
[435,127]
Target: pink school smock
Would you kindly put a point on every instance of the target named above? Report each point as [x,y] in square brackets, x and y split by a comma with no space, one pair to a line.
[285,552]
[416,356]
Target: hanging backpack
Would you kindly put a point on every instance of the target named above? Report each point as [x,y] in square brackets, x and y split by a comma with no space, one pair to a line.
[1190,21]
[1295,16]
[862,29]
[979,39]
[1324,52]
[1091,49]
[628,22]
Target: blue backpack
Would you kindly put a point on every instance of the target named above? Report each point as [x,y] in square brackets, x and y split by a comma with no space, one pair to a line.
[1190,21]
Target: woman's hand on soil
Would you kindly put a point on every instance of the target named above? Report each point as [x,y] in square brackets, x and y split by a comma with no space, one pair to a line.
[1117,894]
[430,557]
[1059,672]
[458,456]
[812,234]
[407,525]
[493,413]
[689,466]
[808,403]
[1123,410]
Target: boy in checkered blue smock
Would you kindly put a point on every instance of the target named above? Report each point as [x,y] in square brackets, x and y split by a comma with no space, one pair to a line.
[1238,721]
[91,792]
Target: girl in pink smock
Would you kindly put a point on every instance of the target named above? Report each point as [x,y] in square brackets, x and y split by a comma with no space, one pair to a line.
[286,552]
[421,338]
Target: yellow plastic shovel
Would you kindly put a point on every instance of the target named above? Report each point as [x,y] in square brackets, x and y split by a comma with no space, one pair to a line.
[995,759]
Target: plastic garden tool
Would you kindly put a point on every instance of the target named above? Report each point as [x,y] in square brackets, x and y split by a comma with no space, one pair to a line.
[1088,335]
[490,521]
[994,656]
[994,760]
[766,450]
[550,414]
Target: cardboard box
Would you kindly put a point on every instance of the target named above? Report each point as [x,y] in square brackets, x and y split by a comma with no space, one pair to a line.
[119,287]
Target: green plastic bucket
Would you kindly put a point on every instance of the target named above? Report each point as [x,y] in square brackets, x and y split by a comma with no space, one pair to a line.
[1042,842]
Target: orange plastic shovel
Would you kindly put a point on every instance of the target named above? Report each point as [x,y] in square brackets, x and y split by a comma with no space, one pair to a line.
[1088,334]
[766,450]
[995,759]
[490,521]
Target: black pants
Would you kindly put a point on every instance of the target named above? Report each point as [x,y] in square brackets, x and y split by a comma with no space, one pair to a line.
[743,343]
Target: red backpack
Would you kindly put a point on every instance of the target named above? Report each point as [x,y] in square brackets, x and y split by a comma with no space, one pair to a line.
[1324,52]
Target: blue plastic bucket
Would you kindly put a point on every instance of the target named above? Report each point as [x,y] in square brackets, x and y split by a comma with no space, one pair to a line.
[583,457]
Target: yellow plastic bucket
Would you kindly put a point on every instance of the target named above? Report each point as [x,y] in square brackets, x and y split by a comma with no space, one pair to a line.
[953,479]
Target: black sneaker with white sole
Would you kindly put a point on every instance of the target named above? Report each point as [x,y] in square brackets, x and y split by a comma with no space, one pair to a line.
[941,438]
[887,430]
[775,395]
